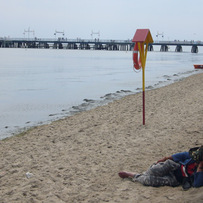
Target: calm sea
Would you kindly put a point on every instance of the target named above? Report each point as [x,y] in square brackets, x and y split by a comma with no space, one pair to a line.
[41,85]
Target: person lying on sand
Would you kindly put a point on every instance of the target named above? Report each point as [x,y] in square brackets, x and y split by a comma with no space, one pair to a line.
[185,168]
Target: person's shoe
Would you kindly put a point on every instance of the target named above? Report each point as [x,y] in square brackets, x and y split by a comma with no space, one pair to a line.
[186,184]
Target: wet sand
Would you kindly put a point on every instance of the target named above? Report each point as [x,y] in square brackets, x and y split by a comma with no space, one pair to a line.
[77,159]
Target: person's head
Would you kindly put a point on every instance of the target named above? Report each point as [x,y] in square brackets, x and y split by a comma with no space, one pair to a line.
[196,153]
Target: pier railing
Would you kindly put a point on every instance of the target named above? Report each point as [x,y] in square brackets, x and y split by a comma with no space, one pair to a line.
[65,40]
[185,42]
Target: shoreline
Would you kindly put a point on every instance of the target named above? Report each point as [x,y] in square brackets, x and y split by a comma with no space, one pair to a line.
[76,159]
[89,104]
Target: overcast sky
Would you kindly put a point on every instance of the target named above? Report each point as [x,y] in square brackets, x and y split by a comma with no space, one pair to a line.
[114,19]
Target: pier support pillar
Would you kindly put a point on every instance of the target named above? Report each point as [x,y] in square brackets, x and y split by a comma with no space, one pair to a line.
[98,46]
[150,47]
[179,48]
[19,45]
[68,46]
[55,46]
[87,46]
[115,47]
[60,46]
[46,46]
[194,49]
[164,48]
[72,46]
[123,47]
[75,46]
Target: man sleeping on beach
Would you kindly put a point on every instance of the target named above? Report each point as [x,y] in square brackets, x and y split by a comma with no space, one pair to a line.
[185,168]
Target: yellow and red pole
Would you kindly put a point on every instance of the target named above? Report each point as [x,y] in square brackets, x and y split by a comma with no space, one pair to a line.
[143,56]
[142,38]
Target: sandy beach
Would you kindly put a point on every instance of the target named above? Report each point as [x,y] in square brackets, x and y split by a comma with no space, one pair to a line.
[77,159]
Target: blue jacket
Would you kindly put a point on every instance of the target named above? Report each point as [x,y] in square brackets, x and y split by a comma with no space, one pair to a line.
[184,158]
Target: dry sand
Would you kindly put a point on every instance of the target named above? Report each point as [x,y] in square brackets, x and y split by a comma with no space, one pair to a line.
[77,159]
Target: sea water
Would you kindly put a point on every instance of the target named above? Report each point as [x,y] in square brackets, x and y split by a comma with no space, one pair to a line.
[41,85]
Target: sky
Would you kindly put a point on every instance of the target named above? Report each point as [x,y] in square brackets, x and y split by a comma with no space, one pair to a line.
[113,19]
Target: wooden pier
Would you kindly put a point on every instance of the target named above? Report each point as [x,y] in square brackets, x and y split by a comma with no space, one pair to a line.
[95,44]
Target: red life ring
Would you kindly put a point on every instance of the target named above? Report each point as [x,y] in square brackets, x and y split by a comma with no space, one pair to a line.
[136,62]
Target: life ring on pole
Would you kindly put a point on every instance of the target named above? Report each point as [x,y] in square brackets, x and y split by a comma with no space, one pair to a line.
[136,62]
